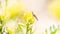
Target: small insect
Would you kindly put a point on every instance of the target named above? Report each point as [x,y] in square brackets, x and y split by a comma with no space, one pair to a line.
[34,15]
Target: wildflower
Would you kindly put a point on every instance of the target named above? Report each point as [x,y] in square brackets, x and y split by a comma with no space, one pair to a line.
[28,16]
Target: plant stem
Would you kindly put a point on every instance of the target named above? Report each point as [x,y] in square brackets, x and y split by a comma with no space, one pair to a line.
[6,2]
[31,30]
[27,26]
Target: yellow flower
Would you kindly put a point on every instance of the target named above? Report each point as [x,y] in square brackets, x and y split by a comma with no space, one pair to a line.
[28,16]
[10,31]
[2,17]
[54,8]
[13,11]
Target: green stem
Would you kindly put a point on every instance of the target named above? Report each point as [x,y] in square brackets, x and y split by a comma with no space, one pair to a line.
[31,30]
[6,2]
[27,28]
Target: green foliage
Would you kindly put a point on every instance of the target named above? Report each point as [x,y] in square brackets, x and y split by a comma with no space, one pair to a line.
[52,29]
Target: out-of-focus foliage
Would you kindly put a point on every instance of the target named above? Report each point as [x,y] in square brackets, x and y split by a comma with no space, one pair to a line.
[52,30]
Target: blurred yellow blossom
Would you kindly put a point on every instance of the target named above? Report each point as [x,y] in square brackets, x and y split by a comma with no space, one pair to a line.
[54,8]
[13,11]
[10,31]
